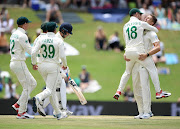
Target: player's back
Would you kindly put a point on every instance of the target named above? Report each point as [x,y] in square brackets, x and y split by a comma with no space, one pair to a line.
[16,49]
[49,48]
[133,33]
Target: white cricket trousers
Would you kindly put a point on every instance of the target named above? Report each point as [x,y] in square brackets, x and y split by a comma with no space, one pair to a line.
[26,80]
[148,63]
[51,75]
[141,88]
[61,95]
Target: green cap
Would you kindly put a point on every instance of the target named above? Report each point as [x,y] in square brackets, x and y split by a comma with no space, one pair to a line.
[44,26]
[22,20]
[133,11]
[51,26]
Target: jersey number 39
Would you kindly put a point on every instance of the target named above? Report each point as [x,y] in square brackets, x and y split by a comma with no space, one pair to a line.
[48,52]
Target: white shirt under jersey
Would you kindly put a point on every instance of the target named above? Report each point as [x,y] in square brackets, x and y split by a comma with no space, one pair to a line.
[133,32]
[39,56]
[149,38]
[51,48]
[19,44]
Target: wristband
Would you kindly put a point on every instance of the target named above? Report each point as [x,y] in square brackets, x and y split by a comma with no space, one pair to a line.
[147,54]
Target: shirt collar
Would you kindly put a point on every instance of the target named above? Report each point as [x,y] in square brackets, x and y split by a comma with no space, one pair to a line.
[59,35]
[50,33]
[21,29]
[43,33]
[133,18]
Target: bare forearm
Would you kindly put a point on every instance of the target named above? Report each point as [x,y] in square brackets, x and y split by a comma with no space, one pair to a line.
[155,49]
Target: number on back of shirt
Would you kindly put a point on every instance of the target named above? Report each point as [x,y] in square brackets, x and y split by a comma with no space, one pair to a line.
[12,46]
[49,51]
[132,34]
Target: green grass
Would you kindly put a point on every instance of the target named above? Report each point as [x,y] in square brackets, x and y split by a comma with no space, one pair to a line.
[90,122]
[106,67]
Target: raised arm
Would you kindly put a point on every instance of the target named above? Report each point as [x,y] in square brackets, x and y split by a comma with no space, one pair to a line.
[149,27]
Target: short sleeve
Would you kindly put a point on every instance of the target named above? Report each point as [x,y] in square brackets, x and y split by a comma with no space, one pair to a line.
[153,37]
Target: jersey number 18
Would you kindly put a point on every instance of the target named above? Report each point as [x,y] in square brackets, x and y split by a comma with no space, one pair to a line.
[132,34]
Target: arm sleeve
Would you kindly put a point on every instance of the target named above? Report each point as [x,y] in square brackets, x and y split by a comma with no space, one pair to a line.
[35,50]
[149,27]
[62,54]
[35,41]
[154,37]
[23,40]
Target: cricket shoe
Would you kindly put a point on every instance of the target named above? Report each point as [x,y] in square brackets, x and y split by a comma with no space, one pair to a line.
[62,115]
[138,116]
[41,110]
[116,96]
[145,116]
[151,114]
[69,113]
[24,115]
[36,104]
[162,94]
[16,107]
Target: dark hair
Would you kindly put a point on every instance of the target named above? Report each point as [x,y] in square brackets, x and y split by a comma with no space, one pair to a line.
[154,19]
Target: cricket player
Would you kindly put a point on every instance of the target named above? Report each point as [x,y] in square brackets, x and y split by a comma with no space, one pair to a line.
[19,44]
[64,31]
[52,50]
[140,76]
[40,58]
[144,101]
[133,35]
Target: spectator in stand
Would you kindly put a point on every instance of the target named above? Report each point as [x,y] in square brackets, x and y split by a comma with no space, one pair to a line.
[170,14]
[139,3]
[5,21]
[114,43]
[52,13]
[64,3]
[145,11]
[10,90]
[129,95]
[122,4]
[79,4]
[174,10]
[84,77]
[97,4]
[178,16]
[107,5]
[159,56]
[4,46]
[101,40]
[160,13]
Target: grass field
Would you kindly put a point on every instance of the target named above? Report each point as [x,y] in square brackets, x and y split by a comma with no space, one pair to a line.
[90,122]
[106,67]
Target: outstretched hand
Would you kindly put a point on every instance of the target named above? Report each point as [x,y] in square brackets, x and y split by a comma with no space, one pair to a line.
[35,67]
[126,59]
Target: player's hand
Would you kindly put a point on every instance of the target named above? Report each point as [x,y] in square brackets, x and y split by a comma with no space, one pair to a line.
[142,56]
[126,59]
[35,67]
[64,68]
